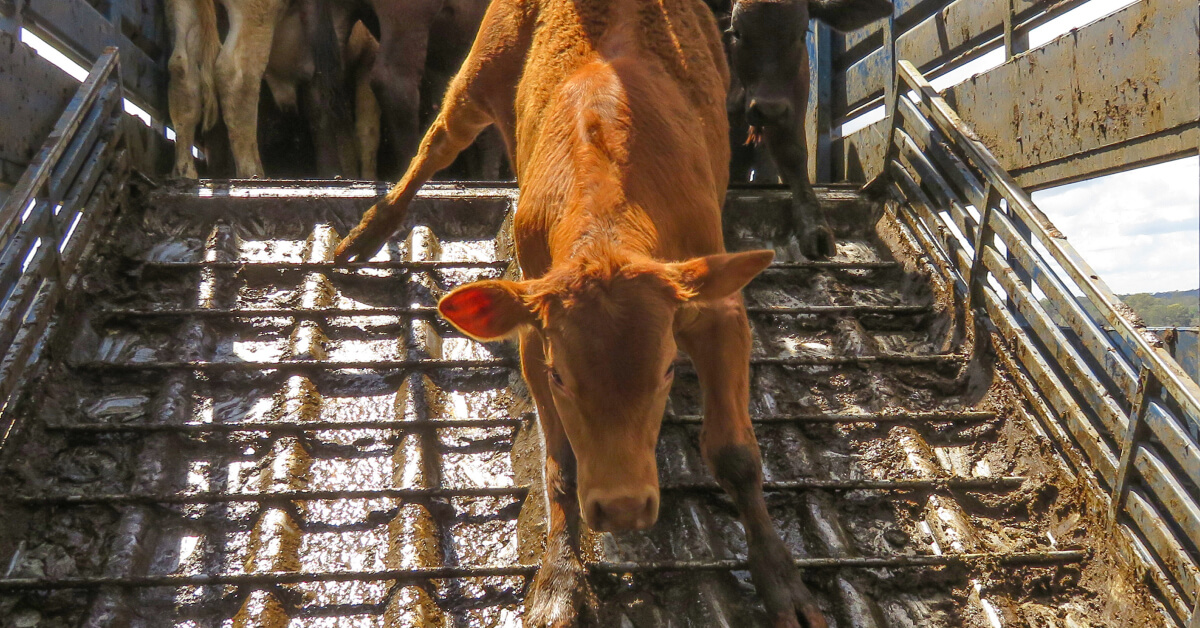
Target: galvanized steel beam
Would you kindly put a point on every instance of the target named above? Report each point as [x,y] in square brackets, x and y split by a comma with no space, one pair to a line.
[1096,90]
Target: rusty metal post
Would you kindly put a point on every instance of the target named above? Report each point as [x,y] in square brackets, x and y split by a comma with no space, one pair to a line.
[1148,387]
[891,91]
[893,85]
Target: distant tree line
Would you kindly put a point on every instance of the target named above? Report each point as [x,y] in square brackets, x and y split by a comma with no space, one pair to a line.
[1167,309]
[1161,309]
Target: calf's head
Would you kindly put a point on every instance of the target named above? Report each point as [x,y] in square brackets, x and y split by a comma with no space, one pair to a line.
[608,336]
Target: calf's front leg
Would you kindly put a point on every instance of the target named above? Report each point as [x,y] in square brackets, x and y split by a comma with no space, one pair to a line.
[479,94]
[719,345]
[560,593]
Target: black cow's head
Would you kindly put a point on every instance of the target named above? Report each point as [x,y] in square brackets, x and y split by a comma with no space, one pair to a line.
[768,51]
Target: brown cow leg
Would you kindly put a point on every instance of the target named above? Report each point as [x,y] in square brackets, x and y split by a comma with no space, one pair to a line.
[560,591]
[336,147]
[789,149]
[719,345]
[240,68]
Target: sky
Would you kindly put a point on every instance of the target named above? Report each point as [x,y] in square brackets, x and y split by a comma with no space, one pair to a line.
[1139,229]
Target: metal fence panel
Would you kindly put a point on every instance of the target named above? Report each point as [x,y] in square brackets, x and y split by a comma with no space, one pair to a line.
[1141,440]
[84,33]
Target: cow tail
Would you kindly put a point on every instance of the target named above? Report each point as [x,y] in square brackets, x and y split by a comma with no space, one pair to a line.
[210,47]
[329,77]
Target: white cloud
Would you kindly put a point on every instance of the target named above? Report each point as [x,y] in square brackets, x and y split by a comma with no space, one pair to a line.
[1140,230]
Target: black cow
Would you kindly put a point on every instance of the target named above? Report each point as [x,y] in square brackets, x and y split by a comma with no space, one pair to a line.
[768,57]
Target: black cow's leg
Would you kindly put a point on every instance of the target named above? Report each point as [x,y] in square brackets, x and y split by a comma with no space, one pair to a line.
[399,68]
[560,593]
[789,148]
[327,105]
[719,345]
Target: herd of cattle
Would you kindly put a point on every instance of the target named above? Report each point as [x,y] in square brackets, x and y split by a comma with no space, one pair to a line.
[616,119]
[369,76]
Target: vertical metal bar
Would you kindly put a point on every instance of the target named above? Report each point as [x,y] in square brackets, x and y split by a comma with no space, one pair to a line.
[985,236]
[1194,622]
[1016,40]
[892,90]
[1148,387]
[823,64]
[1026,235]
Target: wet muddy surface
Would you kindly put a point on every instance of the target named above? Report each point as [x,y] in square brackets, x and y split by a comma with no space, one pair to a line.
[384,489]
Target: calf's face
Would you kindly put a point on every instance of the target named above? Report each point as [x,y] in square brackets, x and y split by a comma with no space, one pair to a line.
[769,56]
[609,347]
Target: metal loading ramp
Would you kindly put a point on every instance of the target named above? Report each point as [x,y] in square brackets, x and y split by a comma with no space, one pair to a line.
[236,431]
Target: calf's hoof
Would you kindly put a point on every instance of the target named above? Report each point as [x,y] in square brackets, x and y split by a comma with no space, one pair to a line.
[804,612]
[364,240]
[560,596]
[788,601]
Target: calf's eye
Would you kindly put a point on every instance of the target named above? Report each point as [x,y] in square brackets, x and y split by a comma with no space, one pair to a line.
[555,377]
[670,372]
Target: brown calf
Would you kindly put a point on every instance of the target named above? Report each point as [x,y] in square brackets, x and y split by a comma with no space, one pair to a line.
[769,58]
[613,113]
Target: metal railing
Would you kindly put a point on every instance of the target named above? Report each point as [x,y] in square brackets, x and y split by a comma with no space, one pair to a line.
[1105,387]
[51,215]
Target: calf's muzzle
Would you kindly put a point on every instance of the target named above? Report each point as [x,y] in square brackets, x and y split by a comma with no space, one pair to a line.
[621,510]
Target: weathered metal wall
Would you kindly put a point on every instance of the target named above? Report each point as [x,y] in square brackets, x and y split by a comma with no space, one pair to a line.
[84,28]
[1116,94]
[1104,384]
[1184,344]
[36,93]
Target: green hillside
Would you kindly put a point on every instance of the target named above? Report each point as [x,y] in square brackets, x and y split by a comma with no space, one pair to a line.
[1167,309]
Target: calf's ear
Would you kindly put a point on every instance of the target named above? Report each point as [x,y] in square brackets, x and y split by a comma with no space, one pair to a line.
[717,276]
[487,310]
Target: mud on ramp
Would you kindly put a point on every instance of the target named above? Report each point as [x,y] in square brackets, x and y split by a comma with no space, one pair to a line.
[239,432]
